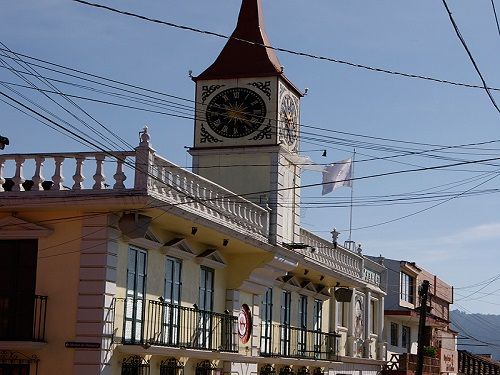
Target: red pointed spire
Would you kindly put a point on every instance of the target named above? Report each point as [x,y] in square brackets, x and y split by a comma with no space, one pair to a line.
[240,59]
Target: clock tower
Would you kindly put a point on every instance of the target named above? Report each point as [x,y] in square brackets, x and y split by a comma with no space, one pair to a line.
[246,134]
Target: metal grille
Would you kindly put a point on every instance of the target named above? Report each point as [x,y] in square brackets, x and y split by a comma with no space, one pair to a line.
[267,370]
[135,365]
[171,366]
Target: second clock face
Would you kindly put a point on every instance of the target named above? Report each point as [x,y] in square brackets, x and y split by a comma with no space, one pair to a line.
[235,112]
[288,114]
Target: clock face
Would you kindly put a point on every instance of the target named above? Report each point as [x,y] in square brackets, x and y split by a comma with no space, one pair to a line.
[235,112]
[244,323]
[288,117]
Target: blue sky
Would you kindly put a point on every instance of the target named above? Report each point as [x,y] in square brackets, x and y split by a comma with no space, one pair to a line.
[457,240]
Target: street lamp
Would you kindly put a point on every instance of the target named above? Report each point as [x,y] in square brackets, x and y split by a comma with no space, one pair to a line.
[4,141]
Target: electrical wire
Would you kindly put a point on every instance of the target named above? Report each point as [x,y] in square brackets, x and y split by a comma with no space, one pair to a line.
[464,44]
[289,51]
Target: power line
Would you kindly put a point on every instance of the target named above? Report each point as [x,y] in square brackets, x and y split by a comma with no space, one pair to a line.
[181,114]
[496,17]
[464,44]
[191,101]
[289,51]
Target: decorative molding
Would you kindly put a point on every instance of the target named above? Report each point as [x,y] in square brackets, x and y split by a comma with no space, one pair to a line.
[206,137]
[12,227]
[206,91]
[265,87]
[266,133]
[145,243]
[178,248]
[211,258]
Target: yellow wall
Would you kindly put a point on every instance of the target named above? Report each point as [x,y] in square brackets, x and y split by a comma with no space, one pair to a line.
[57,278]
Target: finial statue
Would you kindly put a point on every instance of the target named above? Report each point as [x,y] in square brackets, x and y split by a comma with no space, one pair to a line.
[144,137]
[335,236]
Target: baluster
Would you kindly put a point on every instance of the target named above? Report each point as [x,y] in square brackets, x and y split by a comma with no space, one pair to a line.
[99,177]
[18,178]
[119,176]
[57,178]
[78,176]
[37,177]
[168,181]
[196,194]
[2,179]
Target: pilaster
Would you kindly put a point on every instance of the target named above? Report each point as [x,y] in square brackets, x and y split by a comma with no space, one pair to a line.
[96,291]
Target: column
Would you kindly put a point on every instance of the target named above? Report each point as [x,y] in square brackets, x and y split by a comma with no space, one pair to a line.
[351,340]
[368,325]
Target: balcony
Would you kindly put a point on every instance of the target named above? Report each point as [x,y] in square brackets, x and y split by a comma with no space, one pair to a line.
[150,322]
[284,341]
[23,319]
[401,364]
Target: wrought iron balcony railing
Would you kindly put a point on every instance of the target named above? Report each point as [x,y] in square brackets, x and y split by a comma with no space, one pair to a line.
[284,341]
[23,319]
[149,322]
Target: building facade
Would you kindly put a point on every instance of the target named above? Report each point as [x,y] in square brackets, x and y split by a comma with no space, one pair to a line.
[402,317]
[157,270]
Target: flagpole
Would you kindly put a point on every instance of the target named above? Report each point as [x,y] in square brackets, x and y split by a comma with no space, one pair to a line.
[352,191]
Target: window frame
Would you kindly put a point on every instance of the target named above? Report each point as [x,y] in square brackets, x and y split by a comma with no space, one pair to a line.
[407,287]
[394,334]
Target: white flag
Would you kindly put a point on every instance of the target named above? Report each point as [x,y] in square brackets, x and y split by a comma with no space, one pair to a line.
[336,175]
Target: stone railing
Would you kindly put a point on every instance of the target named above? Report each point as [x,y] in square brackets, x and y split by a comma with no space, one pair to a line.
[336,258]
[200,195]
[38,163]
[339,258]
[371,277]
[140,170]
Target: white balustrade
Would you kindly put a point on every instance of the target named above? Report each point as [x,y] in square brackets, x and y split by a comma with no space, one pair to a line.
[196,193]
[152,175]
[337,258]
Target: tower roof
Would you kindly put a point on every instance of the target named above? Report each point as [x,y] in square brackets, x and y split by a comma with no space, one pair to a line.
[240,59]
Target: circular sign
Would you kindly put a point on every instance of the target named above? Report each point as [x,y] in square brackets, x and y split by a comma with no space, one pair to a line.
[244,323]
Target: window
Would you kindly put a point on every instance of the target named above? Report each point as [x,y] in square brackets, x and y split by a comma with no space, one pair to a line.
[135,365]
[172,296]
[406,338]
[302,319]
[373,313]
[317,315]
[173,281]
[136,290]
[206,300]
[171,367]
[14,369]
[285,322]
[407,288]
[342,313]
[394,334]
[267,319]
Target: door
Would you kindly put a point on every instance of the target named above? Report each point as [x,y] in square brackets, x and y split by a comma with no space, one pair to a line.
[172,300]
[136,291]
[302,339]
[285,323]
[206,300]
[18,259]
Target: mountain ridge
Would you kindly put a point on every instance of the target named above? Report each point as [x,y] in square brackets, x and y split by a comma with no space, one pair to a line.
[478,333]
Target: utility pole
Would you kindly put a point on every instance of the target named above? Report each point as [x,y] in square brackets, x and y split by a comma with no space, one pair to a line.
[423,292]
